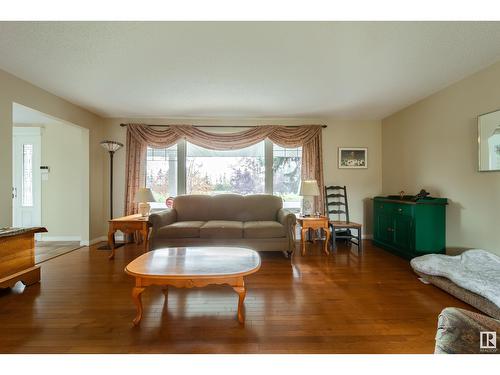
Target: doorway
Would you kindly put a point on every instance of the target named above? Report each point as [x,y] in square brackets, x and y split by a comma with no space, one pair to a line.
[50,181]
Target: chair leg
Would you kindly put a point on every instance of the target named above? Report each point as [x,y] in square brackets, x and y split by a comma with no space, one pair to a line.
[334,242]
[360,241]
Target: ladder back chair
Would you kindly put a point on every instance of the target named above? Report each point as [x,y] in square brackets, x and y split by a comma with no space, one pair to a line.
[337,210]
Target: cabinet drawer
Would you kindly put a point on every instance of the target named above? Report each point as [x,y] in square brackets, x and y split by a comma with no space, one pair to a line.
[384,207]
[394,208]
[403,209]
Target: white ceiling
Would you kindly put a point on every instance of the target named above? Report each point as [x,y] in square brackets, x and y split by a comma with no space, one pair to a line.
[348,70]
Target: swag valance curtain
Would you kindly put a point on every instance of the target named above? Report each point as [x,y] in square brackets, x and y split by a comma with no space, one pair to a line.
[140,136]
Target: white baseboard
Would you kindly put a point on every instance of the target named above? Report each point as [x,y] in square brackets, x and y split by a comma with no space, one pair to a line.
[94,241]
[44,238]
[118,237]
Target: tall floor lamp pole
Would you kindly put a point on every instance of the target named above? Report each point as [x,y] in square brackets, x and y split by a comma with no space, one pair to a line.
[111,147]
[111,154]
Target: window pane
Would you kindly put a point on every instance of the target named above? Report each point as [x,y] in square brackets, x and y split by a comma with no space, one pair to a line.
[216,172]
[27,186]
[161,174]
[286,175]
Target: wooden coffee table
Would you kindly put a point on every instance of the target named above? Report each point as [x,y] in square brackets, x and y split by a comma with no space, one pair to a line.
[188,267]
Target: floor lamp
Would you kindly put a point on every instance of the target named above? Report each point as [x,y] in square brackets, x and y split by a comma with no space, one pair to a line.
[111,147]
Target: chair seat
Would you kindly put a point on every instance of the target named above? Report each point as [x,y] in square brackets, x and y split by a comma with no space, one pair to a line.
[344,224]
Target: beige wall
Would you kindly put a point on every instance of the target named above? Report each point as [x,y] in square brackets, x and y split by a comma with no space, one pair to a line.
[362,184]
[62,208]
[13,89]
[433,145]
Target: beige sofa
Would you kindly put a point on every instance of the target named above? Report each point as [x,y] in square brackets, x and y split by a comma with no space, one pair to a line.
[255,221]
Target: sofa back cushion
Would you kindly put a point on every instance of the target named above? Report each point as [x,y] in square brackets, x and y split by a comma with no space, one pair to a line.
[227,207]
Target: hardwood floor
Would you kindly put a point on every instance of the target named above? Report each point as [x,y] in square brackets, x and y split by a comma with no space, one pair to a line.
[343,303]
[45,250]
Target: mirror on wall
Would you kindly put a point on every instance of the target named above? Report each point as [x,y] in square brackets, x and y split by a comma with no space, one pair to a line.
[489,141]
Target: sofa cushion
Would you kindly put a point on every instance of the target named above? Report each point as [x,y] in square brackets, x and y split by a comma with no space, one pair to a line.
[263,229]
[181,229]
[222,229]
[263,207]
[232,207]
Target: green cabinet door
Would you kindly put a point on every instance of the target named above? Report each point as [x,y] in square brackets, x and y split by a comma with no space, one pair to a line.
[403,231]
[384,227]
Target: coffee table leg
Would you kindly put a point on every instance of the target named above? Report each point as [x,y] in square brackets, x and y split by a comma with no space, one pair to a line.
[136,296]
[165,293]
[242,291]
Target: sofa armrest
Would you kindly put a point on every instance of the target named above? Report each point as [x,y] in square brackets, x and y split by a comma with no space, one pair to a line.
[288,220]
[162,218]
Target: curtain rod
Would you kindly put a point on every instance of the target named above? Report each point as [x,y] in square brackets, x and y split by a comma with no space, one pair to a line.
[223,126]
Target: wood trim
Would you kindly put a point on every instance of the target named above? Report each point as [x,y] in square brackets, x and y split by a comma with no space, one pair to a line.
[213,277]
[387,200]
[28,277]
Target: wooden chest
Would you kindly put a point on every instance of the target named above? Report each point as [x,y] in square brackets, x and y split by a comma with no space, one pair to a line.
[17,256]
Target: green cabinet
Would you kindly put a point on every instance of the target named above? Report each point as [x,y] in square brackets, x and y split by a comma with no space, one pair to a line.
[411,226]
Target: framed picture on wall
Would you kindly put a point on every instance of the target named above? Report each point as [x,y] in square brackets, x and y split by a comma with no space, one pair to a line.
[353,157]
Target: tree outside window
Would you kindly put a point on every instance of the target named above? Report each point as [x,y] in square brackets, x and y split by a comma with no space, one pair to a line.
[240,171]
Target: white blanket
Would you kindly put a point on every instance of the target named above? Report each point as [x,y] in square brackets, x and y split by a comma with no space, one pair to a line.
[475,270]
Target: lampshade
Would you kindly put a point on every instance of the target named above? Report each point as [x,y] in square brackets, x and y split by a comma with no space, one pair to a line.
[309,188]
[144,195]
[111,146]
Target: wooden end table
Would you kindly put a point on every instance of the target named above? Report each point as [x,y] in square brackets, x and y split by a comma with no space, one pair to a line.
[188,267]
[131,224]
[313,222]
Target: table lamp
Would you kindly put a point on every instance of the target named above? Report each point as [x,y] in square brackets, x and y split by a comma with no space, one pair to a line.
[308,190]
[143,196]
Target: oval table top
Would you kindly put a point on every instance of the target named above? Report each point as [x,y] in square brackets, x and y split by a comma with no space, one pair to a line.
[190,262]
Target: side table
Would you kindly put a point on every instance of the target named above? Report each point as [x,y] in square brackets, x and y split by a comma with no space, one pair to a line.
[314,223]
[129,225]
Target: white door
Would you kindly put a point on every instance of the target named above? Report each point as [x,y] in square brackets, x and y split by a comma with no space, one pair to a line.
[26,192]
